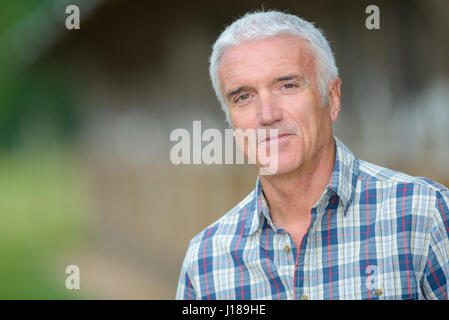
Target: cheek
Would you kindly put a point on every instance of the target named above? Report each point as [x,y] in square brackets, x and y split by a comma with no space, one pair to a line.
[308,114]
[242,119]
[301,109]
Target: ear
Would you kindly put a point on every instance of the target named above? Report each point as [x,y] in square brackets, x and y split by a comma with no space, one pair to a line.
[334,99]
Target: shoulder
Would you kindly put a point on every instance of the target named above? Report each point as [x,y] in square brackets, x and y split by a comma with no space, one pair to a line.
[420,199]
[222,230]
[394,179]
[417,205]
[227,224]
[441,216]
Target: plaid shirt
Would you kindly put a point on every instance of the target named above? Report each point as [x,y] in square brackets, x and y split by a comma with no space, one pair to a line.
[375,234]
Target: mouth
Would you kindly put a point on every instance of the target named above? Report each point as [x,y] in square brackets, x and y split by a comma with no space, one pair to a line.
[276,138]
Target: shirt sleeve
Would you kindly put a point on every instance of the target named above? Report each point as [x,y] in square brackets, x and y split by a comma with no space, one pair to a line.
[436,272]
[185,290]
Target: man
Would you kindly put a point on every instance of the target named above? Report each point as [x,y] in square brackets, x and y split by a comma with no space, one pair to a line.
[325,225]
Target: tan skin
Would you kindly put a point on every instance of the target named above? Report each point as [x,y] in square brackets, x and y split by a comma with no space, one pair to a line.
[271,83]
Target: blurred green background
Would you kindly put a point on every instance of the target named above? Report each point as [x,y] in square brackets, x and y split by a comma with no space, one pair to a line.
[86,115]
[42,203]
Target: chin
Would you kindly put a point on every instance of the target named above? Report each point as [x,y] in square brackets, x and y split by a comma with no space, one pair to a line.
[284,165]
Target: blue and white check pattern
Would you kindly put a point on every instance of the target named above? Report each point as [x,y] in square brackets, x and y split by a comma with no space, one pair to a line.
[375,234]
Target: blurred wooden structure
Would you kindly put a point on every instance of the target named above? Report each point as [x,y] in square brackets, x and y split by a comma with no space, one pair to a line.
[140,70]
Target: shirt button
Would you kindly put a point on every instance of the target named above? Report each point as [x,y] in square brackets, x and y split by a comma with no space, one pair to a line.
[304,297]
[378,292]
[287,249]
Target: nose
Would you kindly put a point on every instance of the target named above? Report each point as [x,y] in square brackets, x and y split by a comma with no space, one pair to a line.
[268,111]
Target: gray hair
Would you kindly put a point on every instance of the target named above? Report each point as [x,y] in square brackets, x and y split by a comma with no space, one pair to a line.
[259,25]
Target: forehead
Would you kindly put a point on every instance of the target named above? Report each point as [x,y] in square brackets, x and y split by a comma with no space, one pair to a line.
[266,58]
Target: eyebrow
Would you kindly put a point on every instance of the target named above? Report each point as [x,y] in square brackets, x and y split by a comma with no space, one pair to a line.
[234,92]
[283,78]
[289,77]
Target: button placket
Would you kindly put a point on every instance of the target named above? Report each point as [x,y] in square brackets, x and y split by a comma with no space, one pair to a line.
[304,259]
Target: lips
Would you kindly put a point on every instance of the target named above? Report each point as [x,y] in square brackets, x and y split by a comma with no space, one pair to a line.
[269,138]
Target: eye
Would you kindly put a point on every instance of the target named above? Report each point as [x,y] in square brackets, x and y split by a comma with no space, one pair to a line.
[242,97]
[289,86]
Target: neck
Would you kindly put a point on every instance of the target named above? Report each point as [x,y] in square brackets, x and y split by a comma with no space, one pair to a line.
[291,196]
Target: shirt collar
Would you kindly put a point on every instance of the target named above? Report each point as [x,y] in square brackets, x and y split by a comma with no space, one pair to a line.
[342,183]
[344,175]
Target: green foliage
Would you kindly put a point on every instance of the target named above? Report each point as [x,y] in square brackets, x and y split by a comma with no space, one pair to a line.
[39,92]
[12,11]
[43,214]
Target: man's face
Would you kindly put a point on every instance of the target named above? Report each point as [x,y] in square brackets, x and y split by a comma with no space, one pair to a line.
[271,84]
